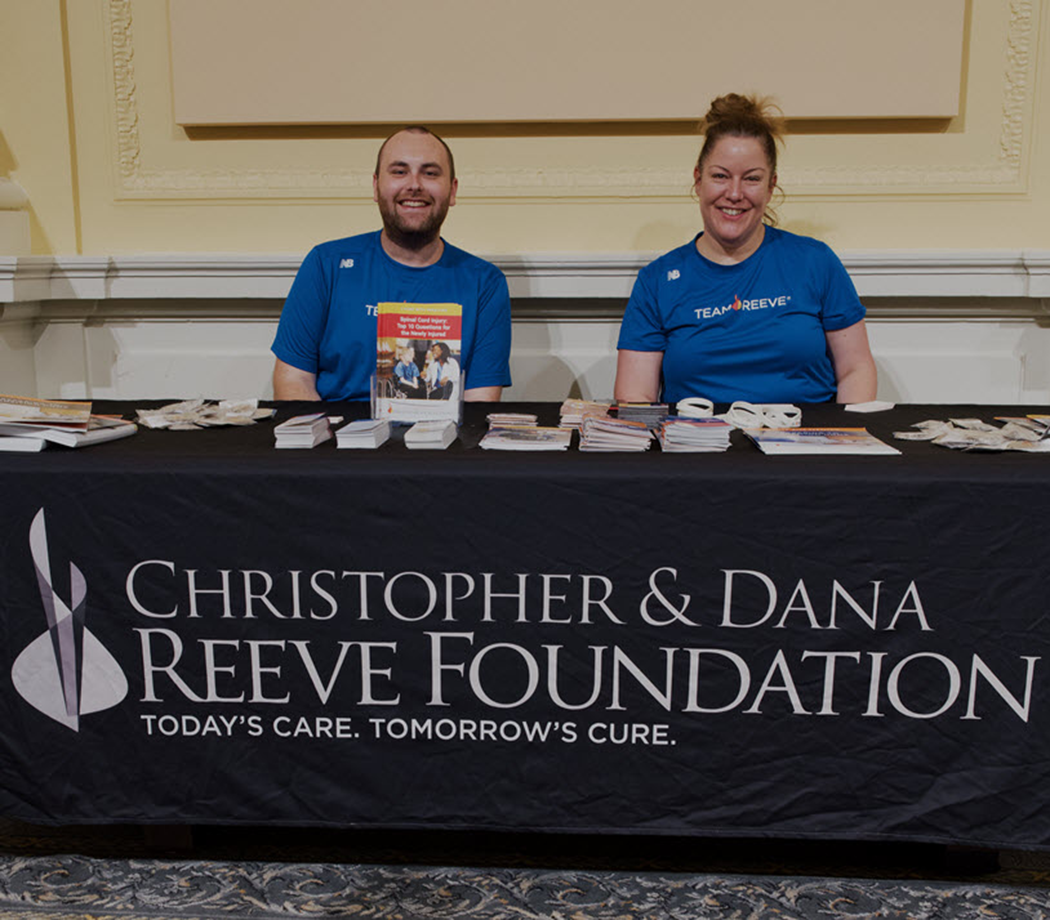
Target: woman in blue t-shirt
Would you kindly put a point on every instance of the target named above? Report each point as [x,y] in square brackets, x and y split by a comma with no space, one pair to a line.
[744,310]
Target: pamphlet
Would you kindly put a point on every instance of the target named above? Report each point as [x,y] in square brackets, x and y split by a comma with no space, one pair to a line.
[694,435]
[432,435]
[818,441]
[365,433]
[526,437]
[303,431]
[574,411]
[100,428]
[418,362]
[611,434]
[21,444]
[52,412]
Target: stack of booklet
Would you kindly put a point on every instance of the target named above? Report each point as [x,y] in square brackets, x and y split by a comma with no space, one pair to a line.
[517,419]
[29,425]
[694,435]
[303,431]
[610,434]
[652,414]
[527,437]
[435,435]
[574,411]
[364,433]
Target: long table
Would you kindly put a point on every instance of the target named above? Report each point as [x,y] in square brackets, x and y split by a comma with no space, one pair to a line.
[197,628]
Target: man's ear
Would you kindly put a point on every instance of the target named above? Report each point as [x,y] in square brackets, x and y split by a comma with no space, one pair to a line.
[375,186]
[452,197]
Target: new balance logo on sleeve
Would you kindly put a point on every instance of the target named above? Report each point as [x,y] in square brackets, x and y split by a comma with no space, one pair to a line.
[346,263]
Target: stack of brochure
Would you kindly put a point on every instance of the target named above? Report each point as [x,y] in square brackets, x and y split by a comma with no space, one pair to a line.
[610,434]
[574,411]
[435,435]
[818,441]
[364,433]
[303,431]
[516,419]
[527,437]
[652,414]
[694,435]
[29,425]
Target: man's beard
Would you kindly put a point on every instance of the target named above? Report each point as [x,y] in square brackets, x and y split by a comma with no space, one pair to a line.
[415,236]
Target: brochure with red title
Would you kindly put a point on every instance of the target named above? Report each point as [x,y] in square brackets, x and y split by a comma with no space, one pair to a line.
[418,362]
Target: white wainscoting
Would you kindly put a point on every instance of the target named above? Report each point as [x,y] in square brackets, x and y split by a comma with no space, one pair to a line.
[945,326]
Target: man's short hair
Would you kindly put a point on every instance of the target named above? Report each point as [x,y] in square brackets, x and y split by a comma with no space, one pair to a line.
[420,129]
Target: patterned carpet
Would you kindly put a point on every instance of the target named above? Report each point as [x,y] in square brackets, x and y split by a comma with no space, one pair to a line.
[103,873]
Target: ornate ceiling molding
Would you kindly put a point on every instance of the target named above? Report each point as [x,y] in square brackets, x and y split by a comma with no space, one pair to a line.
[1002,173]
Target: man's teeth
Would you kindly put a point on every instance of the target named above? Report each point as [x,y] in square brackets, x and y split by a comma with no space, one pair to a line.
[732,212]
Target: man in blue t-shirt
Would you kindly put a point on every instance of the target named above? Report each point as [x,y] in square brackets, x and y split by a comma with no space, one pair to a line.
[326,340]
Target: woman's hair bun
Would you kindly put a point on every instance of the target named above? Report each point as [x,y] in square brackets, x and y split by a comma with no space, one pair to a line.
[735,115]
[732,112]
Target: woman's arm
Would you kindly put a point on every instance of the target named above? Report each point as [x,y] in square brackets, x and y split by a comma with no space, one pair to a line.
[638,376]
[855,374]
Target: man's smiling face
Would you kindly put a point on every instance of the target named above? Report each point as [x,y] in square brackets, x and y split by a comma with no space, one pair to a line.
[413,187]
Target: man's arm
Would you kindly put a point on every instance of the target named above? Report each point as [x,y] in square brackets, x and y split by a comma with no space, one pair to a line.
[291,383]
[483,394]
[490,357]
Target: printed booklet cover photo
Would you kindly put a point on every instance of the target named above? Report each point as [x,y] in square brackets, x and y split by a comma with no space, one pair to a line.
[418,373]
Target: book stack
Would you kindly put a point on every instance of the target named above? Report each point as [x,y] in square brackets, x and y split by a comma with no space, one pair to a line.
[303,431]
[610,434]
[527,437]
[366,433]
[574,411]
[652,414]
[29,425]
[694,435]
[435,435]
[515,419]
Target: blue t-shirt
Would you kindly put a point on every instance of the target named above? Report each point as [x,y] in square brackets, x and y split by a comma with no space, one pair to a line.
[753,331]
[328,324]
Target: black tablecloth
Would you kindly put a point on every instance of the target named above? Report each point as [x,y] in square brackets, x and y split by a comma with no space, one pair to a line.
[849,646]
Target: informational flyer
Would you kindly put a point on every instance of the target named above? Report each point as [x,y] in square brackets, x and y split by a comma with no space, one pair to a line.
[418,362]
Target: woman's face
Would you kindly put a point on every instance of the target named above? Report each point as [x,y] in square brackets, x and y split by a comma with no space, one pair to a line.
[734,186]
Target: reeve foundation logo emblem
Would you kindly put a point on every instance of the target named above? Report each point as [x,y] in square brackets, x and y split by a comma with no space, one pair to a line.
[65,672]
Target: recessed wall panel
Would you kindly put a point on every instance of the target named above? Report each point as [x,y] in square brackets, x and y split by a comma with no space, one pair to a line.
[266,62]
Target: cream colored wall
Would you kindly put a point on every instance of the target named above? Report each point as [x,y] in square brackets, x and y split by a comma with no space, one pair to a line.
[92,160]
[36,141]
[107,171]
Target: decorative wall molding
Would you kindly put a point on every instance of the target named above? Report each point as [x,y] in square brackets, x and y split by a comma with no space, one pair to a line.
[1000,173]
[12,195]
[997,274]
